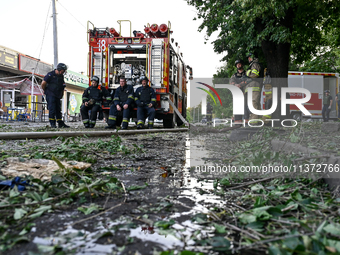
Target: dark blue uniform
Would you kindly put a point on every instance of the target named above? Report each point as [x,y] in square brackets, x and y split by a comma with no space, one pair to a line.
[143,97]
[94,96]
[123,95]
[325,109]
[54,92]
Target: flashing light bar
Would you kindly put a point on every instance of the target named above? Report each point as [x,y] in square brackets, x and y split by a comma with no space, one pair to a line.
[114,32]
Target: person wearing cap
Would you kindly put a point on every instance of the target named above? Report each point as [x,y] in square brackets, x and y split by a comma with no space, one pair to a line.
[122,104]
[253,72]
[327,105]
[93,100]
[236,79]
[53,86]
[145,98]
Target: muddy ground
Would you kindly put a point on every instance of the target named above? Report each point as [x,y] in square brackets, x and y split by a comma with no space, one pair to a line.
[143,195]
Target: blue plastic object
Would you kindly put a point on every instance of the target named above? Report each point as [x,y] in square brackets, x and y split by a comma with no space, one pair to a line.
[16,181]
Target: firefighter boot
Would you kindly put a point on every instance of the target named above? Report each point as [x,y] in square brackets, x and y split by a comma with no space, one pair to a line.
[86,125]
[52,123]
[61,124]
[150,126]
[91,125]
[125,125]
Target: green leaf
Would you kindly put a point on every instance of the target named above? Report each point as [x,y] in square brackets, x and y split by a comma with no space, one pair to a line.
[19,213]
[164,224]
[219,243]
[220,229]
[246,218]
[14,192]
[200,218]
[332,229]
[257,226]
[88,210]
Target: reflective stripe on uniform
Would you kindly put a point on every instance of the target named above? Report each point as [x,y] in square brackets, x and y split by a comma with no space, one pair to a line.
[268,92]
[86,121]
[255,72]
[255,89]
[140,122]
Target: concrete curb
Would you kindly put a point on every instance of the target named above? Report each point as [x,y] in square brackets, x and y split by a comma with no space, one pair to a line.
[51,134]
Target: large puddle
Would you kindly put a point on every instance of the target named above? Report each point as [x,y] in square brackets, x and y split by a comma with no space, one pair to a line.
[181,177]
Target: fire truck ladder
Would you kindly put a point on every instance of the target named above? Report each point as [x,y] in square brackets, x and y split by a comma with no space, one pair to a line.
[97,63]
[156,64]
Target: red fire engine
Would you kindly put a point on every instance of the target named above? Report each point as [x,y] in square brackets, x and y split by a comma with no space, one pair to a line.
[149,53]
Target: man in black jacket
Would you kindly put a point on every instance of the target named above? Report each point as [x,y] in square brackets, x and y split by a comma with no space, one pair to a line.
[92,100]
[122,102]
[145,98]
[53,86]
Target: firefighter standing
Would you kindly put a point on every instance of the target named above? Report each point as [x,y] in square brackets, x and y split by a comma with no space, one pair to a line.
[236,79]
[145,98]
[53,86]
[92,100]
[337,98]
[122,103]
[327,105]
[253,72]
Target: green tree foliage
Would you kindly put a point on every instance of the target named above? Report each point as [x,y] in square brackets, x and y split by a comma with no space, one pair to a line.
[277,30]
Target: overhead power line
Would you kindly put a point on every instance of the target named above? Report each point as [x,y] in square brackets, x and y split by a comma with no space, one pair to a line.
[71,15]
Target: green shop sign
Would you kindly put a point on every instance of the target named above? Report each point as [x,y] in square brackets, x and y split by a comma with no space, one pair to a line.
[76,79]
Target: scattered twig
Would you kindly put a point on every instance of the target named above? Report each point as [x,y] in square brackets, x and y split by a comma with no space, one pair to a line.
[98,214]
[271,240]
[253,182]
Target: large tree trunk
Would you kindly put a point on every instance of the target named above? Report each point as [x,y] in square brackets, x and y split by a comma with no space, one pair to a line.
[277,57]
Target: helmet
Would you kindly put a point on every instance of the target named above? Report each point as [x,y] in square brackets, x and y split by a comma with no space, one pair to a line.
[95,78]
[238,61]
[61,66]
[252,55]
[327,91]
[144,78]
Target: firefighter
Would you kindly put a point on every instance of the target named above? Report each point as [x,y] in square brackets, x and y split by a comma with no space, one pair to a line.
[236,79]
[53,86]
[92,100]
[145,98]
[268,95]
[337,98]
[122,103]
[253,72]
[327,105]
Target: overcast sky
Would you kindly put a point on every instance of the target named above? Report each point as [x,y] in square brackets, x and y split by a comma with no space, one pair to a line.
[23,24]
[27,27]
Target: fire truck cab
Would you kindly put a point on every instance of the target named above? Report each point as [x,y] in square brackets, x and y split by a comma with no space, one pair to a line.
[149,53]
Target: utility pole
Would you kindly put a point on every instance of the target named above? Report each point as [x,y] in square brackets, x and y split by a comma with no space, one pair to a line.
[55,34]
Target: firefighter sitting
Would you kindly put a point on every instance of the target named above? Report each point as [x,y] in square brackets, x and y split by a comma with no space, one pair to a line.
[92,100]
[145,98]
[122,103]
